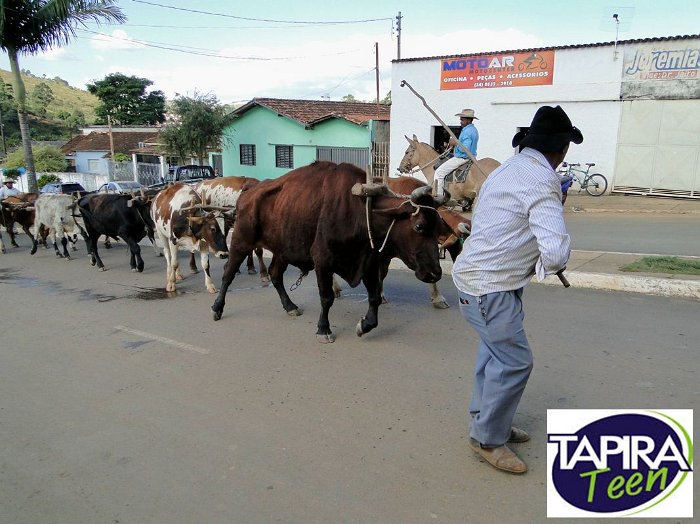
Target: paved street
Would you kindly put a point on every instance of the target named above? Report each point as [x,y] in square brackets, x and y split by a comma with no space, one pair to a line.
[119,404]
[641,233]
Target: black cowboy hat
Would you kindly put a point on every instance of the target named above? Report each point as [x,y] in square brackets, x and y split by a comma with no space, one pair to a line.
[550,131]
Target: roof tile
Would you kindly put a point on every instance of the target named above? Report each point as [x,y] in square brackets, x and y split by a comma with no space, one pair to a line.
[310,112]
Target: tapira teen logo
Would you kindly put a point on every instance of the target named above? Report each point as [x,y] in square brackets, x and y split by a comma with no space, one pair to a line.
[620,463]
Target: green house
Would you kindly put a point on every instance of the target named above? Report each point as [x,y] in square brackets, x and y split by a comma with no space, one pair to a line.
[271,136]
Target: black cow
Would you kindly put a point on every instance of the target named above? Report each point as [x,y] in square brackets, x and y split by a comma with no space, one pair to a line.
[310,218]
[117,216]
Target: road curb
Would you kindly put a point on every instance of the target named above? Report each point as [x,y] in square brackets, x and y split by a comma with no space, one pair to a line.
[575,210]
[666,287]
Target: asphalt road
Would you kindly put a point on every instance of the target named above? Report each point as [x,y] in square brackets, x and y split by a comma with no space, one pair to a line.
[641,233]
[119,404]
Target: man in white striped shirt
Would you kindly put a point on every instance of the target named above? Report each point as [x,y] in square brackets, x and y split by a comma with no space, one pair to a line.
[517,231]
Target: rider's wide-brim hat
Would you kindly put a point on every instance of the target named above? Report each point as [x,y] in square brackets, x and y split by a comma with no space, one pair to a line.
[9,181]
[551,130]
[467,113]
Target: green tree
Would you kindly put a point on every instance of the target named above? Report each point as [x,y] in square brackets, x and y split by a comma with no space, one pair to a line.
[33,26]
[46,158]
[41,98]
[6,98]
[124,99]
[73,120]
[198,126]
[349,98]
[48,179]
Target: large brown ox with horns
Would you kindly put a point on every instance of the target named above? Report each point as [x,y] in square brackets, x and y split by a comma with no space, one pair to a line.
[311,219]
[454,229]
[17,209]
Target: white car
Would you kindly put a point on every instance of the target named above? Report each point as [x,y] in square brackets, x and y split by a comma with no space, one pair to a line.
[124,186]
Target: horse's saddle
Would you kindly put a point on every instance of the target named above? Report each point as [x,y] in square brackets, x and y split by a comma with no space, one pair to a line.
[458,175]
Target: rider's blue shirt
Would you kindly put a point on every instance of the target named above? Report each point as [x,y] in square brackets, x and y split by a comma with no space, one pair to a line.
[470,138]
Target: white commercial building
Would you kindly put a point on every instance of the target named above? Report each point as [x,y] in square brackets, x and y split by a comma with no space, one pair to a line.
[637,103]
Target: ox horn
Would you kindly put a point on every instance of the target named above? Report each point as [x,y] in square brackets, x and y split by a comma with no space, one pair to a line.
[464,229]
[218,208]
[419,192]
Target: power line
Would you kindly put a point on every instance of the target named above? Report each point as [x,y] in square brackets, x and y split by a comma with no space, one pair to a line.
[200,51]
[309,22]
[161,26]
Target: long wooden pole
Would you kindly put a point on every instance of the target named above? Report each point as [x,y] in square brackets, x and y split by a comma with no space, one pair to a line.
[465,148]
[376,72]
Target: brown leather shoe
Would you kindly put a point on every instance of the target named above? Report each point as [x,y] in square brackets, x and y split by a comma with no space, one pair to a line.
[518,436]
[500,458]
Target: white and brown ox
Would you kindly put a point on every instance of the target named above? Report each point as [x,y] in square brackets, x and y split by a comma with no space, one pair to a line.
[59,215]
[310,218]
[423,156]
[224,192]
[182,221]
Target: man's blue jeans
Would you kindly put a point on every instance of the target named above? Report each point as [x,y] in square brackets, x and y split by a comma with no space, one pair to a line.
[503,362]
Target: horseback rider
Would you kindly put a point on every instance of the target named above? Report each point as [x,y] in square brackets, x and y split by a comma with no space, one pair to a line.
[469,136]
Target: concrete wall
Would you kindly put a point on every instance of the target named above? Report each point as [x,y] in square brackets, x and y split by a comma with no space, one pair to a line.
[89,181]
[586,84]
[266,129]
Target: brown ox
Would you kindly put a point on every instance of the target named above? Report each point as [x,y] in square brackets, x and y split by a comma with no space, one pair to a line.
[18,209]
[180,220]
[224,192]
[453,230]
[309,218]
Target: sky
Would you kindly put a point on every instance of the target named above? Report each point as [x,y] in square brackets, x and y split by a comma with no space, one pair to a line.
[326,49]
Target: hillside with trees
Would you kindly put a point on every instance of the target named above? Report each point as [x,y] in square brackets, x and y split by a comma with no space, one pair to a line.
[56,108]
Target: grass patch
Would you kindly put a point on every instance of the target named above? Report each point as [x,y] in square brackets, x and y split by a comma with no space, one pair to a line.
[669,265]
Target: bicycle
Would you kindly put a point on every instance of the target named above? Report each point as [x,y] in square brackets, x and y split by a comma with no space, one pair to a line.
[595,184]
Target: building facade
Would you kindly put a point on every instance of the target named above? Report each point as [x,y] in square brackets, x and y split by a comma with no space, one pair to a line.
[637,103]
[271,136]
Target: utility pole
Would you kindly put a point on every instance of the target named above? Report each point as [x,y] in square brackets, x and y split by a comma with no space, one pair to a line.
[617,32]
[398,36]
[376,72]
[111,138]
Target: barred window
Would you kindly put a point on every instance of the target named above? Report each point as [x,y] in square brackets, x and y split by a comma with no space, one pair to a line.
[284,156]
[247,154]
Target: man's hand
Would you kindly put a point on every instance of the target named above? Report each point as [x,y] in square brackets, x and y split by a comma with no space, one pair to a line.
[566,182]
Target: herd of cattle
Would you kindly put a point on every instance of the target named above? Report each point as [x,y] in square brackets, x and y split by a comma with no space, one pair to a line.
[319,217]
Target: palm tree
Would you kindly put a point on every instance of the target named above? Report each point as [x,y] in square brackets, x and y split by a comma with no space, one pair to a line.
[31,26]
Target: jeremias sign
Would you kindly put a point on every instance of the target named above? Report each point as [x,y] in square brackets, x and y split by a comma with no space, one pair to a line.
[501,70]
[620,463]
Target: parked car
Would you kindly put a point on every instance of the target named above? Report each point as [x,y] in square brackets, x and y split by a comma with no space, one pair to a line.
[123,186]
[63,188]
[189,174]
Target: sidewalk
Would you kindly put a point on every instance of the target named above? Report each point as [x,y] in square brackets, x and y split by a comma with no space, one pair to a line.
[616,203]
[601,270]
[598,270]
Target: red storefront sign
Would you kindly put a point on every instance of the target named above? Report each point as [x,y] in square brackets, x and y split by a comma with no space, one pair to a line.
[500,70]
